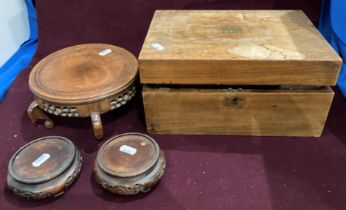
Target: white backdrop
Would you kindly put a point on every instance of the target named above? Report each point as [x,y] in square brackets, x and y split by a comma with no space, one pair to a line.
[14,27]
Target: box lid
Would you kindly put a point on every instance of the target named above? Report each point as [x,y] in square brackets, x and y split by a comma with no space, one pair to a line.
[236,47]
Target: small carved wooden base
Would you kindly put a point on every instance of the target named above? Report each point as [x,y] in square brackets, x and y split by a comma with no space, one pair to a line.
[43,168]
[137,168]
[35,113]
[43,190]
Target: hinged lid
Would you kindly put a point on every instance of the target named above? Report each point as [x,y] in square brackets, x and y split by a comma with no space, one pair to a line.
[237,47]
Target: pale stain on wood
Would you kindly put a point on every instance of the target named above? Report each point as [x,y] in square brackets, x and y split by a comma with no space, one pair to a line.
[255,51]
[262,47]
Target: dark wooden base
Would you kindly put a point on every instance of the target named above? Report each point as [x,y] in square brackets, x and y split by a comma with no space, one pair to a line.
[52,188]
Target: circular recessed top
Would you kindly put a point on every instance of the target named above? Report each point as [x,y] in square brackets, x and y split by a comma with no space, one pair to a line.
[128,155]
[83,73]
[42,160]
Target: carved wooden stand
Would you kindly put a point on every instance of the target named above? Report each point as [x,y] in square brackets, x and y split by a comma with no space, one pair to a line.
[82,81]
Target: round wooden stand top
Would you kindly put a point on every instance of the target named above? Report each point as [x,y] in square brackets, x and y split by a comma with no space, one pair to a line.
[83,73]
[128,155]
[42,160]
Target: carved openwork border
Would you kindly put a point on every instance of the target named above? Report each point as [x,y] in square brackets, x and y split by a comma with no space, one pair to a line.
[66,111]
[123,98]
[63,111]
[133,188]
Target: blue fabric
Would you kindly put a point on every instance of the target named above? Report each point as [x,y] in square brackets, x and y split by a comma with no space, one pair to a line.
[333,27]
[22,57]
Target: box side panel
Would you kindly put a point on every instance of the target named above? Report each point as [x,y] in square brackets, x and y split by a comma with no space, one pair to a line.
[215,112]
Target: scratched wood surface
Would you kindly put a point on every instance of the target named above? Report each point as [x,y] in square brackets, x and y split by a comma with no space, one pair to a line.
[236,47]
[281,112]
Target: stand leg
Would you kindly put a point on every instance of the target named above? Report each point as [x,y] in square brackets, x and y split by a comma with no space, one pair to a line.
[97,124]
[36,113]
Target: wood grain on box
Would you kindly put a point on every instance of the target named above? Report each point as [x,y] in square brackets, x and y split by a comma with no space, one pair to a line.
[236,47]
[281,112]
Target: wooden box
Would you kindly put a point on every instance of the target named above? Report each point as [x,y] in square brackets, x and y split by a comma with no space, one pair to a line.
[236,73]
